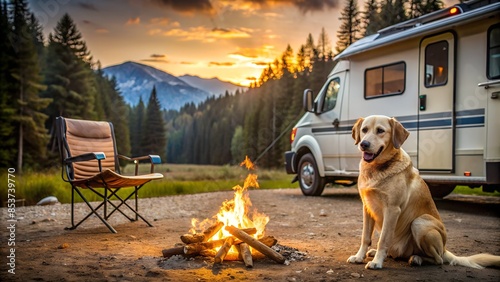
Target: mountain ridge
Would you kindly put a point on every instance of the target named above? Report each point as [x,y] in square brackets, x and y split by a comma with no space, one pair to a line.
[136,81]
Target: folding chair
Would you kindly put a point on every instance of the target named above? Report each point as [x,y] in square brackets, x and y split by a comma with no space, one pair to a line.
[90,160]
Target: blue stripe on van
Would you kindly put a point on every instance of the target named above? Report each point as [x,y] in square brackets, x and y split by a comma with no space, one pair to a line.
[443,120]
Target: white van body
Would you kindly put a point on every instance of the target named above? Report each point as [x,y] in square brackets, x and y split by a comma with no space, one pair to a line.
[439,75]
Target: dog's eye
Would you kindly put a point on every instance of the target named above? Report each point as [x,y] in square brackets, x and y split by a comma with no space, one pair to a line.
[364,130]
[380,131]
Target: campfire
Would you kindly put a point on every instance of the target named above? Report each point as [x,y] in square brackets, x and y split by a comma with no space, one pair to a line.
[233,233]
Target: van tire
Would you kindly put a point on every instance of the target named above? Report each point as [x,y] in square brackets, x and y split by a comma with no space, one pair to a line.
[310,182]
[439,191]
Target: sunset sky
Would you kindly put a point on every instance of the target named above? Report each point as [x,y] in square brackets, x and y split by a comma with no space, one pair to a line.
[231,40]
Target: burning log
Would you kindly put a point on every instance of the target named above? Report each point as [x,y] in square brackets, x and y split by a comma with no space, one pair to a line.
[196,248]
[230,256]
[256,244]
[219,257]
[173,251]
[202,237]
[246,254]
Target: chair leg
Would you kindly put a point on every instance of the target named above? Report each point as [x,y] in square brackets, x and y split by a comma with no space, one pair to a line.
[105,203]
[136,203]
[72,209]
[117,208]
[93,211]
[124,202]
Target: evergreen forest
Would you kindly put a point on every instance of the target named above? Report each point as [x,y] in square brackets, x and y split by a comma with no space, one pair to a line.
[43,78]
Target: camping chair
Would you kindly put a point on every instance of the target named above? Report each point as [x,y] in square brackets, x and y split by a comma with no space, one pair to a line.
[90,160]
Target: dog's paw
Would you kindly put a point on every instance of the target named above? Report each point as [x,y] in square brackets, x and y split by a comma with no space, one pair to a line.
[355,259]
[371,253]
[373,265]
[415,260]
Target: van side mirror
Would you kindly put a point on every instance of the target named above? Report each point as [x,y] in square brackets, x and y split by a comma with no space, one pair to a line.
[308,103]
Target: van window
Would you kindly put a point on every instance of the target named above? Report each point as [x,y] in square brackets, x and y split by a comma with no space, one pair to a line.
[494,52]
[436,64]
[385,80]
[332,90]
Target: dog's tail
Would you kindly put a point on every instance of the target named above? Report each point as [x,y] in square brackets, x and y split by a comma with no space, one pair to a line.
[475,261]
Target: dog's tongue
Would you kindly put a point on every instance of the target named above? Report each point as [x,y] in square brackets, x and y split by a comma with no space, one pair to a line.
[368,156]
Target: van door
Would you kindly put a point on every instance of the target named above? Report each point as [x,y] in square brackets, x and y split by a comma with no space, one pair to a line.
[436,122]
[326,130]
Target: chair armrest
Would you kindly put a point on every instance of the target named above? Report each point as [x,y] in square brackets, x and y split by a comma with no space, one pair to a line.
[154,159]
[87,157]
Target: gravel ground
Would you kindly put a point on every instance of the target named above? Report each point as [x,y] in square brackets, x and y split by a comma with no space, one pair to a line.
[324,230]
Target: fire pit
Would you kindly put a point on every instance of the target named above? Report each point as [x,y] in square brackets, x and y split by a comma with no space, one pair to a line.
[234,233]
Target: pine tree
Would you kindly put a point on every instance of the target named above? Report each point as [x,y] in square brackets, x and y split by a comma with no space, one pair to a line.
[70,79]
[7,101]
[114,109]
[154,139]
[392,12]
[422,7]
[350,29]
[237,152]
[136,125]
[370,17]
[32,136]
[324,47]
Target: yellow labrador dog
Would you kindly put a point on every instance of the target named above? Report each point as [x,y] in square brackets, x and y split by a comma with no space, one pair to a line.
[397,202]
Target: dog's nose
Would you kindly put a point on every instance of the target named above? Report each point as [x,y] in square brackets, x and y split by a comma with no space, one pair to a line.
[364,145]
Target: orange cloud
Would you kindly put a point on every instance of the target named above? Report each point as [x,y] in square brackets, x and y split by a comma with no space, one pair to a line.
[159,21]
[255,7]
[102,30]
[133,21]
[220,64]
[259,57]
[205,34]
[187,7]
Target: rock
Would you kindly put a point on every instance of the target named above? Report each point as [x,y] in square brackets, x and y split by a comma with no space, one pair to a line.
[50,200]
[63,246]
[322,213]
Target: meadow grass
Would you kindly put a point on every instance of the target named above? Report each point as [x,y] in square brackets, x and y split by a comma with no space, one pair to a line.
[178,179]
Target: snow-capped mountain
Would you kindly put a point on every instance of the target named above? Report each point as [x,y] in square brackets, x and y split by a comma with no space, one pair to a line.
[213,85]
[137,80]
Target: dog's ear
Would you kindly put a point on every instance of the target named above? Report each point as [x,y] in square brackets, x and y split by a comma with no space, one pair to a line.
[399,133]
[356,130]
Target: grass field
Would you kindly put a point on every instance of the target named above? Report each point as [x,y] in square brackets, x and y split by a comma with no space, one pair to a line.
[178,179]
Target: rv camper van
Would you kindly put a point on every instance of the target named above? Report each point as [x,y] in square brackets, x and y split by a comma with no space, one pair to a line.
[439,75]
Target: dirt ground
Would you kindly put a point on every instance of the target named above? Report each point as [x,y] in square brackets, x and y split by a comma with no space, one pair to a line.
[326,230]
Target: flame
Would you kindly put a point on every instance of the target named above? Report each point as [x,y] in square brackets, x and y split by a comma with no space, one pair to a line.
[247,163]
[236,211]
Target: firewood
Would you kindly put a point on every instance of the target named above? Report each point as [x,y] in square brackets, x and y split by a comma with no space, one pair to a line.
[212,230]
[192,238]
[219,257]
[230,256]
[173,251]
[246,254]
[249,231]
[204,236]
[256,244]
[196,248]
[267,240]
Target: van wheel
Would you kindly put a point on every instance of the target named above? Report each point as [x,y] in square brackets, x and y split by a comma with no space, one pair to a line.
[311,183]
[439,191]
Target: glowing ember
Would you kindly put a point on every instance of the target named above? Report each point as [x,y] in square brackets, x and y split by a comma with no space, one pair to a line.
[235,212]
